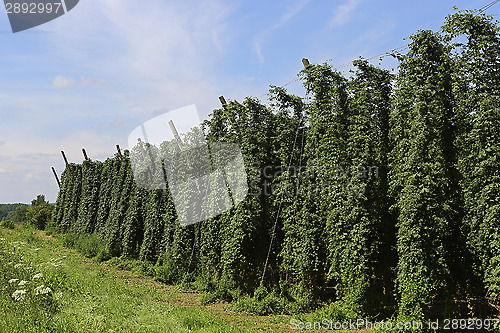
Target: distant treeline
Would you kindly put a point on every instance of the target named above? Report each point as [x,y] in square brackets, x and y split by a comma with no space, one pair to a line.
[7,210]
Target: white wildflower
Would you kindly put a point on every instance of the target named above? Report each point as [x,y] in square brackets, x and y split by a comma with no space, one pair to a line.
[2,239]
[18,295]
[58,295]
[37,276]
[13,280]
[22,283]
[36,249]
[41,290]
[18,265]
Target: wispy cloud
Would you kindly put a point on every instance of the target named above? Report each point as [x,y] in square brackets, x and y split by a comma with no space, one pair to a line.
[377,32]
[117,123]
[289,13]
[258,51]
[62,82]
[162,53]
[342,13]
[147,56]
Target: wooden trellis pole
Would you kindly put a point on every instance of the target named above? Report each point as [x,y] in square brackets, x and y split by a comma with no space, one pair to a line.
[176,135]
[223,101]
[85,154]
[64,156]
[231,118]
[57,178]
[305,62]
[119,152]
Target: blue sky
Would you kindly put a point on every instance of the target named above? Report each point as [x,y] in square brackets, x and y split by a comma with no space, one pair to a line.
[88,78]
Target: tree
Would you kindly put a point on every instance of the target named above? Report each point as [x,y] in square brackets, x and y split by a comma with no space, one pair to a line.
[19,215]
[40,199]
[39,215]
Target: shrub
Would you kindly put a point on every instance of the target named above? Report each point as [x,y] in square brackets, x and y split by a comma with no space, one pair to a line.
[39,216]
[69,239]
[9,224]
[262,303]
[207,298]
[90,245]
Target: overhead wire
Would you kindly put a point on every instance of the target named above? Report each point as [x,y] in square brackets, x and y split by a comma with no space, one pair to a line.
[273,235]
[385,54]
[380,56]
[488,6]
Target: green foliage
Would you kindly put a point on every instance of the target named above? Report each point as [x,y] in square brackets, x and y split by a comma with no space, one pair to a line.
[39,215]
[89,245]
[28,292]
[40,199]
[421,177]
[7,210]
[19,215]
[476,84]
[336,311]
[9,224]
[69,239]
[390,206]
[262,303]
[87,210]
[85,298]
[208,298]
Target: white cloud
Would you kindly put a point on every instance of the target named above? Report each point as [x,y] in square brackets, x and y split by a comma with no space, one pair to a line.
[343,12]
[61,82]
[116,123]
[152,55]
[26,166]
[159,54]
[152,39]
[2,143]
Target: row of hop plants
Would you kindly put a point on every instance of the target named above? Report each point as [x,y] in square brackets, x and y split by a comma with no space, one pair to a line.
[419,234]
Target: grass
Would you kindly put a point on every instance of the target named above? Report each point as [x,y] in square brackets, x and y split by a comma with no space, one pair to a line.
[47,286]
[86,296]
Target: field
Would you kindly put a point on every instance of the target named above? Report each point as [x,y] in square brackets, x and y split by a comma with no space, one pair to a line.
[86,296]
[375,196]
